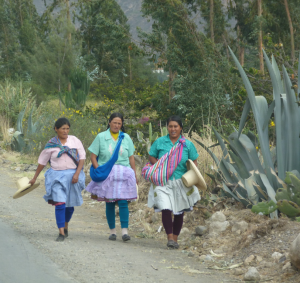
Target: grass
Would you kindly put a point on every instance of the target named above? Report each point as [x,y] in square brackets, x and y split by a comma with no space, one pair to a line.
[4,127]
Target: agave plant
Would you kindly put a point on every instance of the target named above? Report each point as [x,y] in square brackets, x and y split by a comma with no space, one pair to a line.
[19,143]
[245,176]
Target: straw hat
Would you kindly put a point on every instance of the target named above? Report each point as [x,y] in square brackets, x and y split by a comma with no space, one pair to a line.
[193,176]
[24,187]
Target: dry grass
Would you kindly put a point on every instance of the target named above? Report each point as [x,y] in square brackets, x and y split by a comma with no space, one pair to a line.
[4,126]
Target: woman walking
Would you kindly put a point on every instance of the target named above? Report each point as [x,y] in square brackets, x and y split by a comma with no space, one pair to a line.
[120,185]
[172,196]
[65,179]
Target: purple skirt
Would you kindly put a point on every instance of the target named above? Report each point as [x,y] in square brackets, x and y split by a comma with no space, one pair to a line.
[119,185]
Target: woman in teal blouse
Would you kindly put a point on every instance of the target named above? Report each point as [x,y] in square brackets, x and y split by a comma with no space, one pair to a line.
[120,185]
[174,196]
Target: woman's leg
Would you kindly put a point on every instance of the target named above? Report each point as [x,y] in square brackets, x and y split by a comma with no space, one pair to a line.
[124,215]
[111,217]
[177,225]
[68,216]
[60,214]
[166,217]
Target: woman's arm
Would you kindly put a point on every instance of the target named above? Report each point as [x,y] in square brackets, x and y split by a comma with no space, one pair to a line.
[94,160]
[132,165]
[152,159]
[37,173]
[76,175]
[195,162]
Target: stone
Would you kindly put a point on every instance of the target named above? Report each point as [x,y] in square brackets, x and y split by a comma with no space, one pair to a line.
[286,266]
[259,258]
[218,227]
[185,232]
[218,217]
[18,169]
[31,168]
[238,271]
[202,257]
[294,253]
[204,245]
[249,259]
[252,275]
[155,217]
[276,256]
[239,227]
[191,254]
[200,230]
[208,258]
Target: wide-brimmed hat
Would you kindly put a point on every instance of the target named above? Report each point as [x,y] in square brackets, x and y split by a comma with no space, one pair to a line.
[193,176]
[24,187]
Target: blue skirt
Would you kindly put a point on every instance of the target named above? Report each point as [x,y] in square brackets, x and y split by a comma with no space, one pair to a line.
[59,187]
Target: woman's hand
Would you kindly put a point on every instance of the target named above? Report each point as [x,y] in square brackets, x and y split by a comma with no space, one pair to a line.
[32,181]
[75,178]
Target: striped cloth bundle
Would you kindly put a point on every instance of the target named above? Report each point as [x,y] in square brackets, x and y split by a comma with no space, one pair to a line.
[160,172]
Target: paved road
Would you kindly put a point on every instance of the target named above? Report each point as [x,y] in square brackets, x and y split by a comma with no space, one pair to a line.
[21,262]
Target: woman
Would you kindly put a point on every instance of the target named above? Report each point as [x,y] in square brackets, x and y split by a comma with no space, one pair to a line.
[120,185]
[174,196]
[65,180]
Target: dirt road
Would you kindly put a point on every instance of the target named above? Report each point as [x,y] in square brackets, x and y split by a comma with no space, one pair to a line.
[87,255]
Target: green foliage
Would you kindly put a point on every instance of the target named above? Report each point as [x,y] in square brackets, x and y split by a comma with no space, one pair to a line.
[80,86]
[248,175]
[264,208]
[13,98]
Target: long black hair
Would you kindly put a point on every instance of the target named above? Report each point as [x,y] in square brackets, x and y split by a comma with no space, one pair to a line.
[176,119]
[117,115]
[61,122]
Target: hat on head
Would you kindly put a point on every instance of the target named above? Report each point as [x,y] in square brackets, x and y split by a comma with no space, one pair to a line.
[193,176]
[24,187]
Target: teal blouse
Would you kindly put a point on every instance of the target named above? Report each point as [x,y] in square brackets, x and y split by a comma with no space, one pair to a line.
[163,145]
[103,146]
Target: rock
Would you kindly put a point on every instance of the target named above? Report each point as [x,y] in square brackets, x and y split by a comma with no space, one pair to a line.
[191,254]
[155,217]
[249,259]
[208,258]
[18,169]
[204,245]
[252,275]
[202,257]
[218,217]
[200,230]
[238,271]
[259,258]
[266,264]
[185,232]
[276,256]
[286,266]
[239,227]
[294,253]
[217,227]
[31,168]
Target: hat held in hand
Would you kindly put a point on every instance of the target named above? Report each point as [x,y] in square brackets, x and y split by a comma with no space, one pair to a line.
[193,176]
[24,187]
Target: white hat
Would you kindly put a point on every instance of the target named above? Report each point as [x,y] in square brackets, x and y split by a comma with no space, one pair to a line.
[193,176]
[24,187]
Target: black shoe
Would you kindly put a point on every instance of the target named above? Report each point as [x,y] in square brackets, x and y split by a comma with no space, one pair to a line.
[112,237]
[60,238]
[125,237]
[171,244]
[66,233]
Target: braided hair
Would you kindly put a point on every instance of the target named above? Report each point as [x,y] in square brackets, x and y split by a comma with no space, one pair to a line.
[117,115]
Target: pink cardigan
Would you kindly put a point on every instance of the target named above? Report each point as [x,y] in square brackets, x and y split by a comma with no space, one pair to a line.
[64,162]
